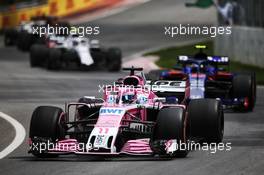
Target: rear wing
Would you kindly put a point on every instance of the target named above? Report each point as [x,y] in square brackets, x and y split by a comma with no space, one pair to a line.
[222,60]
[218,60]
[133,69]
[167,86]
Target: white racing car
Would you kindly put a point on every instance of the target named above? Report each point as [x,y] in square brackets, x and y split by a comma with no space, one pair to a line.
[72,50]
[24,36]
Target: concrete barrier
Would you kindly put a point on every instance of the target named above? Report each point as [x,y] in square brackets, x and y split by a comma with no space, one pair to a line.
[245,44]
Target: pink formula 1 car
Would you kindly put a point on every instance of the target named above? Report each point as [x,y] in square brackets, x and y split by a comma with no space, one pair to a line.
[130,119]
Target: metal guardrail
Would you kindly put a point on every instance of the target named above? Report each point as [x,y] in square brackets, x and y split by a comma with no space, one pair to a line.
[244,45]
[246,12]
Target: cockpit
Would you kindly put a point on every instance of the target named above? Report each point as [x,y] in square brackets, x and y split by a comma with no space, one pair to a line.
[134,81]
[128,97]
[130,89]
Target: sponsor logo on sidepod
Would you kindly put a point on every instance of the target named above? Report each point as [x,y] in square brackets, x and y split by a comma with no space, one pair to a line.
[111,111]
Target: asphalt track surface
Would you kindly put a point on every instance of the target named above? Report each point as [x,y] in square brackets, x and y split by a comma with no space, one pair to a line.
[22,89]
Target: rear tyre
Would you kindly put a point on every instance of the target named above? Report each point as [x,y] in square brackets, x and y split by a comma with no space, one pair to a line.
[114,59]
[38,55]
[45,125]
[244,86]
[24,41]
[206,120]
[7,41]
[90,100]
[170,125]
[9,37]
[84,110]
[100,59]
[154,75]
[54,61]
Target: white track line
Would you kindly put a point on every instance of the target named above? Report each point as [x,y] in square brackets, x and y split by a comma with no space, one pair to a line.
[19,138]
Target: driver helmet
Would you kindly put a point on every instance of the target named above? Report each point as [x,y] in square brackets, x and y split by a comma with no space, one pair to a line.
[129,97]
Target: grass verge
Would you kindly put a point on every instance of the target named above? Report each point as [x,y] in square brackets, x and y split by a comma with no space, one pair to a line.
[168,59]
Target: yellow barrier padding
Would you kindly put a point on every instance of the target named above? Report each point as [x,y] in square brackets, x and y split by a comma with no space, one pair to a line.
[1,22]
[58,8]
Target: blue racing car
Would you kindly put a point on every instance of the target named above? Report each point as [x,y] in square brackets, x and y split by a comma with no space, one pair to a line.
[209,77]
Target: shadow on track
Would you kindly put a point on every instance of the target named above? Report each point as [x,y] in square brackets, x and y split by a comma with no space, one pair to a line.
[251,139]
[73,158]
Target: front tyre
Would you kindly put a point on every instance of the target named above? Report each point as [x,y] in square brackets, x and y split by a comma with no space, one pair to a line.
[171,125]
[206,120]
[45,125]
